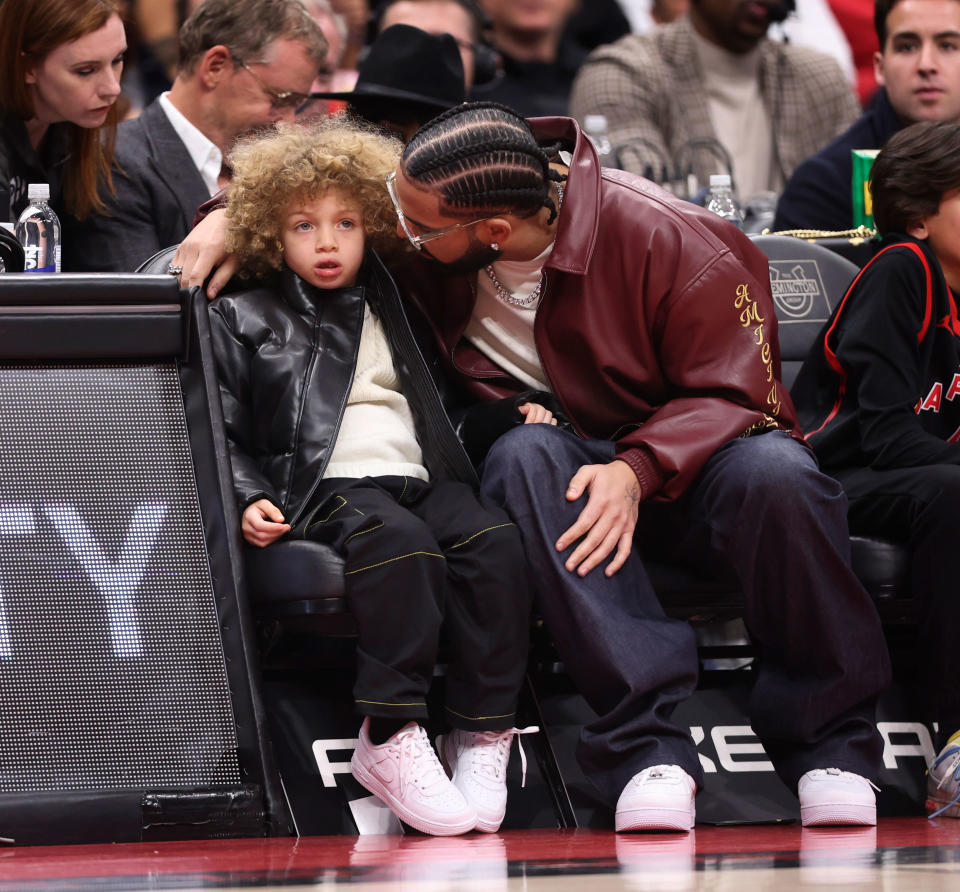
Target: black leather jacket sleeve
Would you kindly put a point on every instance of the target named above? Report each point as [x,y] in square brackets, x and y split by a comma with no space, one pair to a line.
[233,373]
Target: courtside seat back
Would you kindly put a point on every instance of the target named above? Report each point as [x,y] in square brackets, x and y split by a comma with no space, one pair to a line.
[807,281]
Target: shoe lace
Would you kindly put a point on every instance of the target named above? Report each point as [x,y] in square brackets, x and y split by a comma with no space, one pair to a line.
[493,752]
[839,772]
[952,773]
[418,762]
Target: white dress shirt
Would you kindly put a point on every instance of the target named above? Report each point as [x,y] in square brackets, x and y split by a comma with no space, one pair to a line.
[207,158]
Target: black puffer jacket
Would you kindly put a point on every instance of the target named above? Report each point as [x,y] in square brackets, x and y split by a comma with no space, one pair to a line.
[286,358]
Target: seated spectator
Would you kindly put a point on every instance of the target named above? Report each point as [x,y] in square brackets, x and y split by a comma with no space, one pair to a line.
[360,455]
[60,65]
[407,78]
[878,397]
[463,20]
[919,70]
[539,60]
[713,80]
[232,79]
[651,322]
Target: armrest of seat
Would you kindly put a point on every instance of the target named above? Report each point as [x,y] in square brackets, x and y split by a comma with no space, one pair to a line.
[295,576]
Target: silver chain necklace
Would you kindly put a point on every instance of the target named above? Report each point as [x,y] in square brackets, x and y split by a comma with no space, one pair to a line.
[507,296]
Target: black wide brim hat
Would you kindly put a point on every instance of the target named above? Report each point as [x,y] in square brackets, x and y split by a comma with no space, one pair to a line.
[411,67]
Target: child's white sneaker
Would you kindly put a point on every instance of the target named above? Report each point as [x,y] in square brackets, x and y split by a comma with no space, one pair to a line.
[477,764]
[943,781]
[405,773]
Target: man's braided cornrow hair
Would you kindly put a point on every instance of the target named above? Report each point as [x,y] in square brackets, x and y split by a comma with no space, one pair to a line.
[482,156]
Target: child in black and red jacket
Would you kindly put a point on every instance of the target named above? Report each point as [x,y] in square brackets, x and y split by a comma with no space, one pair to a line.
[879,397]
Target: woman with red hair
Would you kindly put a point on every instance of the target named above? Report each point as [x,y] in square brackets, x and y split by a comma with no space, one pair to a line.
[60,64]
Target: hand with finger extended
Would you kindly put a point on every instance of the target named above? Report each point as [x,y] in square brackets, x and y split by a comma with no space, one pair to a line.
[607,521]
[263,523]
[203,251]
[534,413]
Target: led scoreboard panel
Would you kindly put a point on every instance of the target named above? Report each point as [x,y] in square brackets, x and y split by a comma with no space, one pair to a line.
[123,671]
[105,593]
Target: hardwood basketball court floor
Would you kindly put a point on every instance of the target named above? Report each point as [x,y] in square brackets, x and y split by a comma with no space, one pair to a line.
[902,853]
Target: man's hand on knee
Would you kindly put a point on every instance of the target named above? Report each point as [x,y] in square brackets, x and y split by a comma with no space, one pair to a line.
[608,520]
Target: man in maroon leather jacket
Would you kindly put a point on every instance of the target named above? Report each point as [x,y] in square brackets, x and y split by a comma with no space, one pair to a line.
[649,324]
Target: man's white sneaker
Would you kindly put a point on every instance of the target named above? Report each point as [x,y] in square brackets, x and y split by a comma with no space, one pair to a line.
[405,773]
[829,796]
[943,781]
[477,764]
[658,798]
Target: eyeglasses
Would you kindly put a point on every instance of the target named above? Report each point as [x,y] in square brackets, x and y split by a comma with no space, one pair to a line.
[418,240]
[279,99]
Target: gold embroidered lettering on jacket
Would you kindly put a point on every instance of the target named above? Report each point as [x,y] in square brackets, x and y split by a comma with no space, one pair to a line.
[750,318]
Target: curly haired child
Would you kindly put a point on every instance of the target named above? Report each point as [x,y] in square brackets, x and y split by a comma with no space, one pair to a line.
[337,434]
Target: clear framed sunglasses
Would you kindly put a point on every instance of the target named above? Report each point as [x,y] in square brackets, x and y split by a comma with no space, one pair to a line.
[419,240]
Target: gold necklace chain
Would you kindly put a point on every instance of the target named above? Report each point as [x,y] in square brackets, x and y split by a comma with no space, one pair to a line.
[507,296]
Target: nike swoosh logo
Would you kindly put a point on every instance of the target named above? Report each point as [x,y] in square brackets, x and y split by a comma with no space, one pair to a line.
[385,770]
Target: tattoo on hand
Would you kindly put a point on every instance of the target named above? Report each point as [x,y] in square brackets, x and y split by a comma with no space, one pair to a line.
[633,493]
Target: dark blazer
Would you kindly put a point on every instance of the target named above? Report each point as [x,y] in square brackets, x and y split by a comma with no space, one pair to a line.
[819,195]
[158,190]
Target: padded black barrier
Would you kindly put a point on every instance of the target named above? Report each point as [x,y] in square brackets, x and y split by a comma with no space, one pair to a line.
[90,316]
[129,706]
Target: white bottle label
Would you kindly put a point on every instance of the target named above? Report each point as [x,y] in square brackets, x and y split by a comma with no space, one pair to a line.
[31,257]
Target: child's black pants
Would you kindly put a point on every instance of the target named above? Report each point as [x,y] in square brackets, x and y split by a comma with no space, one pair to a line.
[420,555]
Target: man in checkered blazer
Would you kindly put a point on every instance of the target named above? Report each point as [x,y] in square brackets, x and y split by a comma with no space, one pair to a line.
[710,93]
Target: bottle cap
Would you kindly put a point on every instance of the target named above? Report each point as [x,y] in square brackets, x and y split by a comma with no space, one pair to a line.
[594,123]
[38,192]
[719,179]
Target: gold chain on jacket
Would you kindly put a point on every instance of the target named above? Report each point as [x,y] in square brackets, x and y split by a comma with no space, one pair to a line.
[855,236]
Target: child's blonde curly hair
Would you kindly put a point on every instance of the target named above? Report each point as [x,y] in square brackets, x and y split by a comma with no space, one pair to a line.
[298,161]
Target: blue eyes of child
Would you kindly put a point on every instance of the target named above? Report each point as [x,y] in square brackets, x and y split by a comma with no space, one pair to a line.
[304,226]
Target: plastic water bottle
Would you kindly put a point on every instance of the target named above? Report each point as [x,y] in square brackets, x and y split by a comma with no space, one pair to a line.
[595,128]
[39,232]
[721,201]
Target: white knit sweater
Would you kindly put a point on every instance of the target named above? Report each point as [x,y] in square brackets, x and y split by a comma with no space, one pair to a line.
[377,437]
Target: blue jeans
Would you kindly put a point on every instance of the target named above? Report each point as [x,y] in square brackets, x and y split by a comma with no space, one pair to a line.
[761,510]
